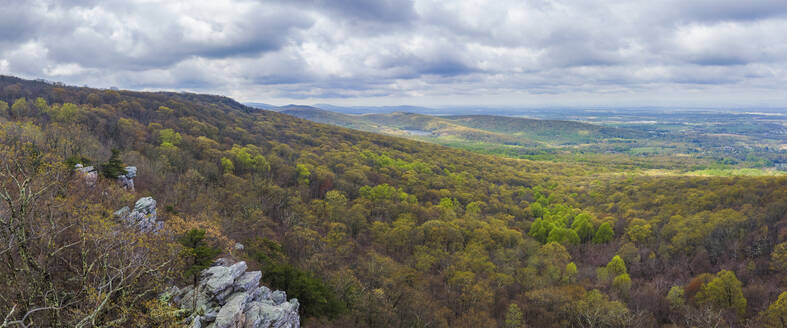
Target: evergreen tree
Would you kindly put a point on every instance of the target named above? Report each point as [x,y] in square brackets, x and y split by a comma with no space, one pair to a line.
[198,254]
[114,167]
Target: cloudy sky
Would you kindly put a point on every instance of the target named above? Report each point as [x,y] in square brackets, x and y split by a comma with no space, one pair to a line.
[420,52]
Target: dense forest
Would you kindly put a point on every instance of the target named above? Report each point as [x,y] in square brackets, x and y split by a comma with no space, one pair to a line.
[365,230]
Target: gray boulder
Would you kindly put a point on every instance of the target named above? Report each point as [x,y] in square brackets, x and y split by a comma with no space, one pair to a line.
[232,313]
[145,205]
[127,180]
[229,296]
[247,281]
[143,217]
[196,323]
[278,297]
[261,314]
[219,278]
[123,212]
[89,174]
[131,172]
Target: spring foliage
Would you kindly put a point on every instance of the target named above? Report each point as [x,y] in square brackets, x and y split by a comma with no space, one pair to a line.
[371,230]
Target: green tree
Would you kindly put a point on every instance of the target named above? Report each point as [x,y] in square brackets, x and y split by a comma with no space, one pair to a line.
[540,230]
[114,167]
[316,297]
[303,174]
[537,210]
[779,258]
[776,314]
[169,136]
[473,210]
[622,284]
[604,234]
[19,108]
[723,293]
[65,113]
[616,266]
[227,165]
[261,165]
[41,105]
[596,310]
[449,203]
[571,272]
[563,236]
[514,317]
[639,230]
[676,297]
[3,108]
[553,259]
[198,254]
[242,157]
[583,227]
[165,110]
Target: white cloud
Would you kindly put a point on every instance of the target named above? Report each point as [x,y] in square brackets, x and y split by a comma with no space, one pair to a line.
[406,52]
[64,70]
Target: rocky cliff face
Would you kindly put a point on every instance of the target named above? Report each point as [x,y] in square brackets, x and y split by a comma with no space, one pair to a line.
[143,216]
[127,180]
[229,296]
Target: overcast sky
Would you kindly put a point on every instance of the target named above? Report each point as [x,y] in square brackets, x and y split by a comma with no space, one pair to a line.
[422,52]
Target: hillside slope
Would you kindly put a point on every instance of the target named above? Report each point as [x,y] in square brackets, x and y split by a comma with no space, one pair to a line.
[373,230]
[472,128]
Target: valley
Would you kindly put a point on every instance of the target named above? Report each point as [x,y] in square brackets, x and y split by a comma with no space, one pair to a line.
[374,230]
[680,141]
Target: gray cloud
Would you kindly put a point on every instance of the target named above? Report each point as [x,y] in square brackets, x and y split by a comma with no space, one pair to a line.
[711,10]
[412,51]
[387,11]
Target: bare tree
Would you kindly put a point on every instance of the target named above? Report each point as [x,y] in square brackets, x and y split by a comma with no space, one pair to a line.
[66,261]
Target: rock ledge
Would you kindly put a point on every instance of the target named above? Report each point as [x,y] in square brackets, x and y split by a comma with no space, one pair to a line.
[143,216]
[229,296]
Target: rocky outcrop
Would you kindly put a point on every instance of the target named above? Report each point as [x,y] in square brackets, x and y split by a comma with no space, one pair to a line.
[88,174]
[143,217]
[127,180]
[229,296]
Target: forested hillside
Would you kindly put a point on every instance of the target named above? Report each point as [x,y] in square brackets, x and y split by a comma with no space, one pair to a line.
[470,128]
[365,230]
[708,144]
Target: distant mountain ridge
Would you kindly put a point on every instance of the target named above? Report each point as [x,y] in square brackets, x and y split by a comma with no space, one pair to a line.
[470,128]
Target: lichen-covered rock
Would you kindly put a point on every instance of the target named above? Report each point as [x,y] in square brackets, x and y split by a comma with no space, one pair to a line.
[131,172]
[229,296]
[196,323]
[127,180]
[145,205]
[261,314]
[247,281]
[88,174]
[123,212]
[278,297]
[232,313]
[219,278]
[143,217]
